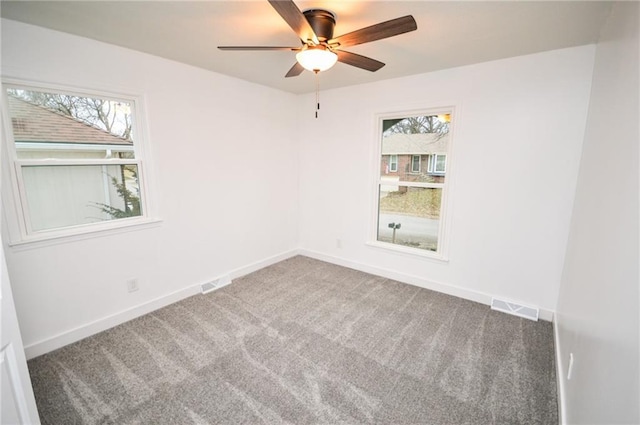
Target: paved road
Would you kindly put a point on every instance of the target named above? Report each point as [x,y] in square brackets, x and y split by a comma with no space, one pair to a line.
[413,230]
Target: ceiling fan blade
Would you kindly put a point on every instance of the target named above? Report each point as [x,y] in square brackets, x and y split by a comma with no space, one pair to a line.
[296,20]
[376,32]
[292,49]
[359,61]
[295,70]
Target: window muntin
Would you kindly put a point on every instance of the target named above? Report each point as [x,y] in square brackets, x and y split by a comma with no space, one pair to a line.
[77,160]
[410,204]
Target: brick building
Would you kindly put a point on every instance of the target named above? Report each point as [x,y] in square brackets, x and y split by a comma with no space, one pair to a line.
[415,157]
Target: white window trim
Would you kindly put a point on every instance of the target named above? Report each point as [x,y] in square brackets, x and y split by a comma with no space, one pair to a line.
[432,164]
[442,254]
[391,161]
[17,216]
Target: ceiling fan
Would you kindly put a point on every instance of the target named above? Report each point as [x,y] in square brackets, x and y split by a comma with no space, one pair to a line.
[320,50]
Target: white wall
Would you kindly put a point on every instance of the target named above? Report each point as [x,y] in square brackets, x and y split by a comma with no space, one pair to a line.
[228,194]
[597,312]
[516,149]
[225,166]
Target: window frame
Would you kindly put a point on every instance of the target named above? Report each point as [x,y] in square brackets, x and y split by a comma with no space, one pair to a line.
[393,164]
[432,164]
[18,217]
[435,164]
[413,170]
[442,252]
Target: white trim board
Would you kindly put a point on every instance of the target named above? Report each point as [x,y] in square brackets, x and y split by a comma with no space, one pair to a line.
[445,288]
[562,415]
[73,335]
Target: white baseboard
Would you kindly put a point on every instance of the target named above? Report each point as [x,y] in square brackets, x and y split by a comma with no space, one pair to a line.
[560,374]
[250,268]
[42,347]
[445,288]
[68,337]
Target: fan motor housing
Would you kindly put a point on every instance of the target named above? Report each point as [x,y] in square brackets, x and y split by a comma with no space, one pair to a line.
[322,22]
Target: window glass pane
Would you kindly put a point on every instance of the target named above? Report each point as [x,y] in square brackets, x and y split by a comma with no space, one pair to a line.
[441,162]
[393,163]
[63,126]
[415,141]
[415,164]
[409,216]
[70,195]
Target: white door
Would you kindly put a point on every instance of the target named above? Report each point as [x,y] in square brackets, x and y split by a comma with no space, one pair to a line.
[18,405]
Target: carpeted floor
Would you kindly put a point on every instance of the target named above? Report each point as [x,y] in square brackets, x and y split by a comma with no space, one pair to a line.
[306,342]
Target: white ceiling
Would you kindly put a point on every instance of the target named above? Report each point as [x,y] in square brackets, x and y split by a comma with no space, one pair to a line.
[450,33]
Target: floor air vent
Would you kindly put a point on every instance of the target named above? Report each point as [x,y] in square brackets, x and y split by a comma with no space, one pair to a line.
[515,309]
[215,284]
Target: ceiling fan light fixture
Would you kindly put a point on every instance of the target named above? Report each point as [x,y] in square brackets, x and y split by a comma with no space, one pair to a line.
[316,58]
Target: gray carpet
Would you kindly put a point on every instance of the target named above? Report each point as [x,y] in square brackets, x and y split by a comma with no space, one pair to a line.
[306,342]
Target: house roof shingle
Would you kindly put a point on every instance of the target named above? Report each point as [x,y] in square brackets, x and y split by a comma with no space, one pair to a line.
[34,123]
[415,144]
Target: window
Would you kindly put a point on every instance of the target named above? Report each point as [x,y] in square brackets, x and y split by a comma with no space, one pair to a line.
[415,163]
[441,163]
[77,161]
[393,163]
[410,208]
[437,164]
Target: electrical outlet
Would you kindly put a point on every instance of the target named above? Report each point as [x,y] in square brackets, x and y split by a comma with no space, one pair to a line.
[132,285]
[338,243]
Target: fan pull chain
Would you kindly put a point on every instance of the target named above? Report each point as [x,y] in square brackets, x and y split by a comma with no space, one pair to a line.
[317,92]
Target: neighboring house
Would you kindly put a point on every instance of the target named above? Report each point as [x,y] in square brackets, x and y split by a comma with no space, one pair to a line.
[415,157]
[72,190]
[43,133]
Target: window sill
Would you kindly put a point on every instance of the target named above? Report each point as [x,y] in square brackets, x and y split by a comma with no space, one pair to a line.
[80,233]
[399,249]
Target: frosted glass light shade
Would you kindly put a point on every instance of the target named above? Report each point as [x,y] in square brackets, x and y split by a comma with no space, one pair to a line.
[316,58]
